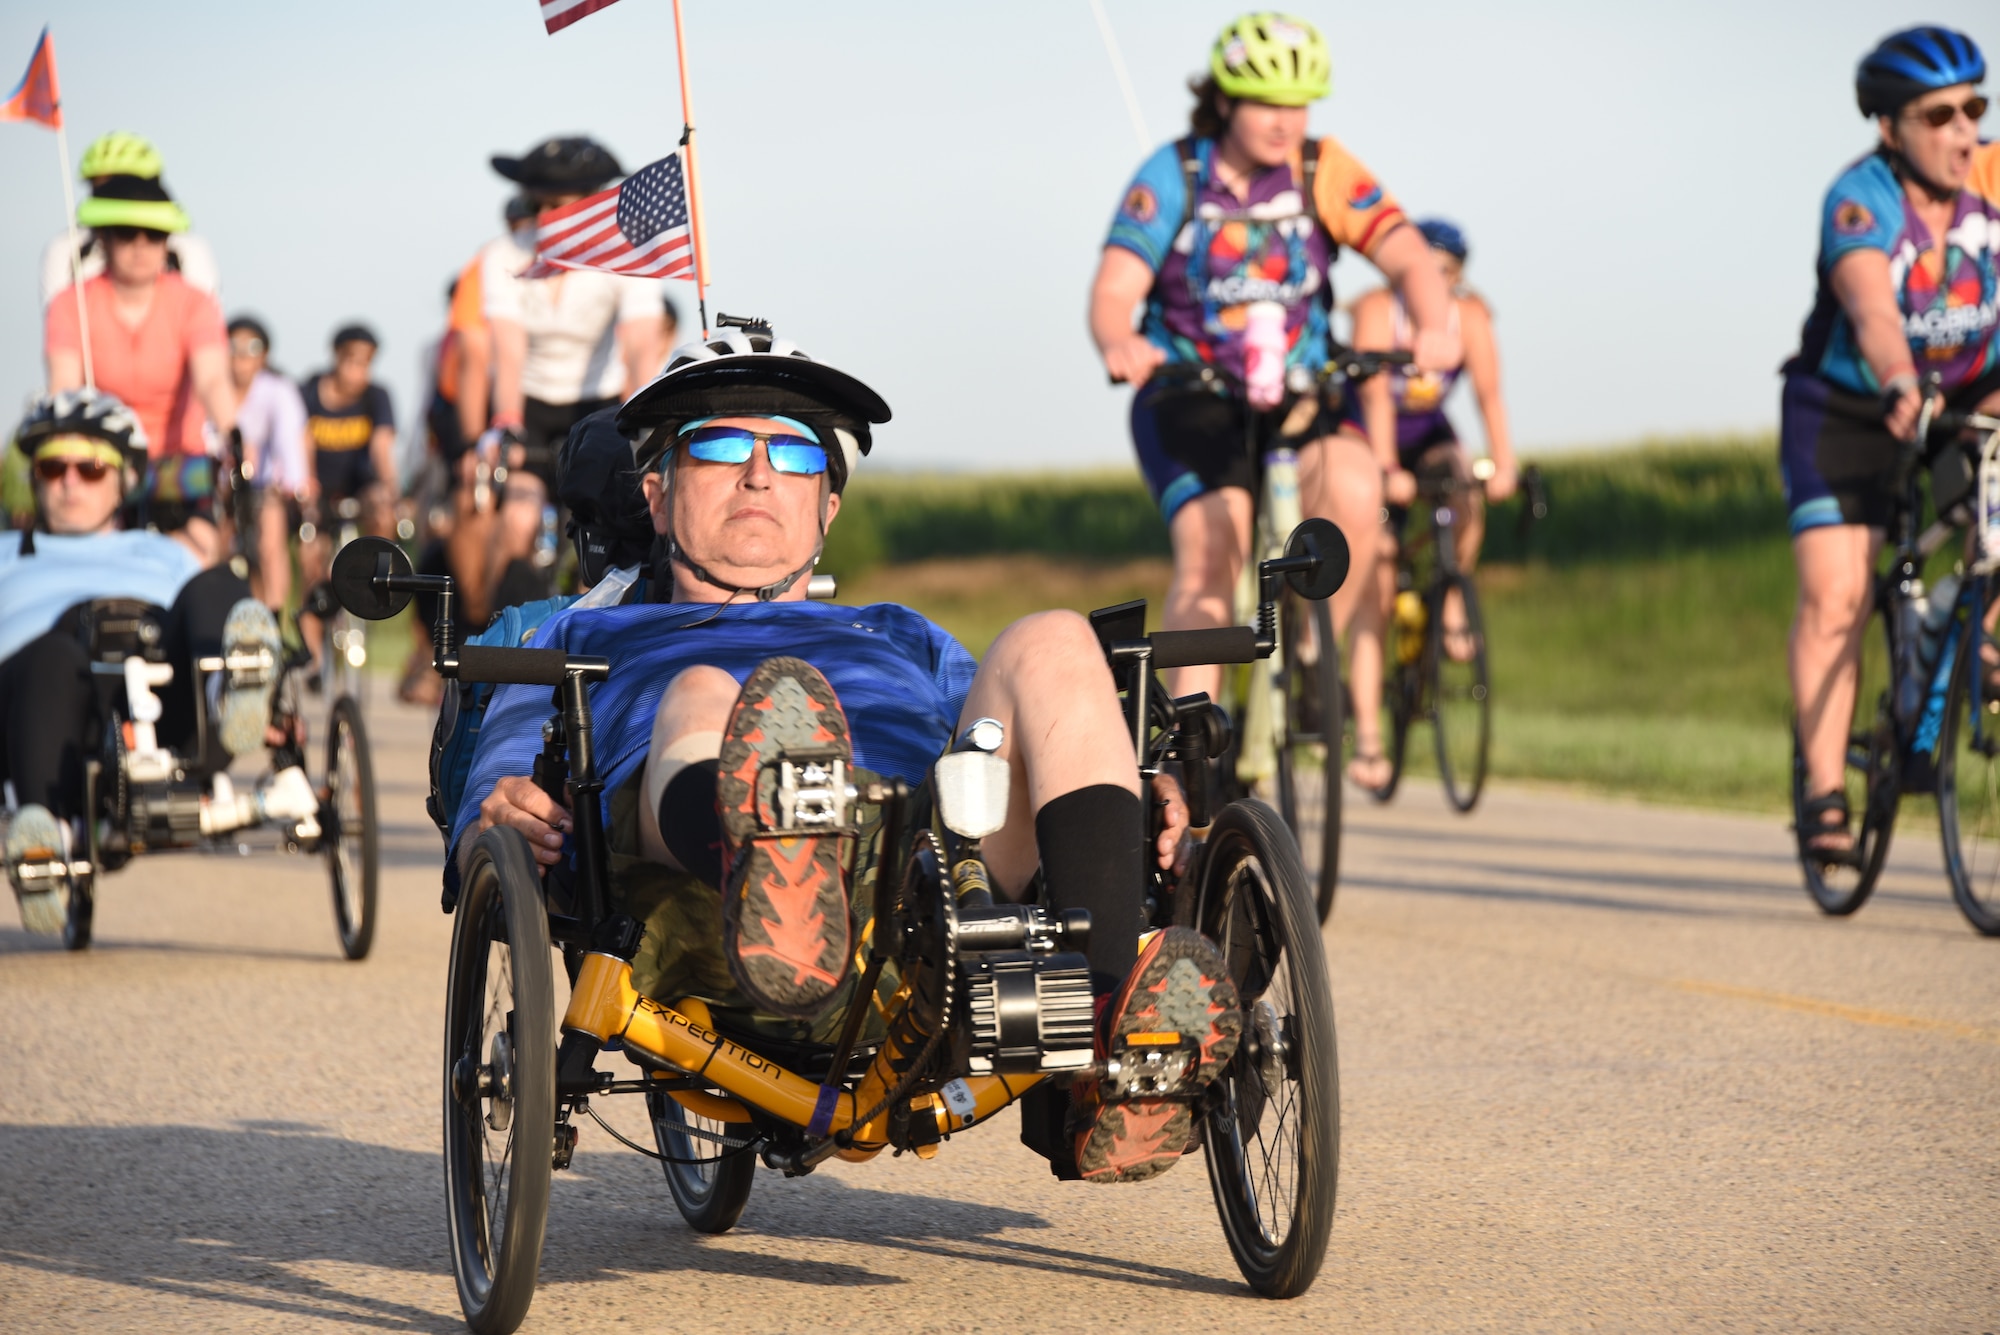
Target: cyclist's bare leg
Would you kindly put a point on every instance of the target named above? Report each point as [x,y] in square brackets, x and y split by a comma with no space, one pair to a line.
[519,525]
[314,560]
[1835,566]
[274,556]
[1340,480]
[378,510]
[1046,681]
[1211,535]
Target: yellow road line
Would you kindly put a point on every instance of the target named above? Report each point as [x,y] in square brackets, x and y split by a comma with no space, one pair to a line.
[1854,1014]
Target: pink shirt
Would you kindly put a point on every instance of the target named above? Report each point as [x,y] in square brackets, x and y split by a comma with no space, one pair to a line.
[147,367]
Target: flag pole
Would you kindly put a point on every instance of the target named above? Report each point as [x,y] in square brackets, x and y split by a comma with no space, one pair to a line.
[1118,70]
[69,213]
[693,175]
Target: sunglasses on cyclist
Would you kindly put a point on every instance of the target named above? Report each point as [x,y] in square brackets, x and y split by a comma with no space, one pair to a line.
[151,234]
[90,470]
[735,444]
[1939,116]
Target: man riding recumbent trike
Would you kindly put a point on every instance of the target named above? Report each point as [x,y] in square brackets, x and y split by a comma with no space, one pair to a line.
[833,888]
[130,680]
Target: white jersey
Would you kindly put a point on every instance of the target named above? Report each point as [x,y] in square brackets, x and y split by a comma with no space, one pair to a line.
[196,260]
[572,322]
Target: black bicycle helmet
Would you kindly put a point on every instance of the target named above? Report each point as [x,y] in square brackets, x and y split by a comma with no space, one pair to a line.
[84,412]
[1908,64]
[746,371]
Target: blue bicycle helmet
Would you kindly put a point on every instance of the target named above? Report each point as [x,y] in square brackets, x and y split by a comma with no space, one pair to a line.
[1444,236]
[1908,64]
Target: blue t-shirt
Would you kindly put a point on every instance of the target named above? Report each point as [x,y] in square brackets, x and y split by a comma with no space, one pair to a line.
[36,590]
[901,680]
[1948,290]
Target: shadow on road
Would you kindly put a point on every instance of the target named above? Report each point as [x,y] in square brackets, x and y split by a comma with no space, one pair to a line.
[224,1216]
[268,1216]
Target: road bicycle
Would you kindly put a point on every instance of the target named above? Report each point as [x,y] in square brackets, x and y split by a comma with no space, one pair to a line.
[981,1004]
[1436,641]
[1288,708]
[1926,704]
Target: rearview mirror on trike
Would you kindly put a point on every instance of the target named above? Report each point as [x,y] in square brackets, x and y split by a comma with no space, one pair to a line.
[1319,539]
[361,571]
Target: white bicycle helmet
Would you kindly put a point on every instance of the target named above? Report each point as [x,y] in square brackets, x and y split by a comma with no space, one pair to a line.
[747,371]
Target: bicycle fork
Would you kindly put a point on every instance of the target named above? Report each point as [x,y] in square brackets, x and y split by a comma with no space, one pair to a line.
[1263,702]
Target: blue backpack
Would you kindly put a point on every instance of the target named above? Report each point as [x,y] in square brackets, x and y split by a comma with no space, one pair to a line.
[464,709]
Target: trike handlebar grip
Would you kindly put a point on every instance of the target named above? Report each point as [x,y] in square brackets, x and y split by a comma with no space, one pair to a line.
[1189,648]
[512,667]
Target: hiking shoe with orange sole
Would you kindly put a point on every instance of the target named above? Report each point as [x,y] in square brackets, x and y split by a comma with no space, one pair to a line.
[785,926]
[1180,1002]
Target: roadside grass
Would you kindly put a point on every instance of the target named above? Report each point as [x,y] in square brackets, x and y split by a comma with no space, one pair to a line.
[1658,679]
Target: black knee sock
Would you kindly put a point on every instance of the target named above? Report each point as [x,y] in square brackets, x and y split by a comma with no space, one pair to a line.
[689,826]
[1092,846]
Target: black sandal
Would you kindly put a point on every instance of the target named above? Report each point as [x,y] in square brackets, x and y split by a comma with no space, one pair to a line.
[1812,827]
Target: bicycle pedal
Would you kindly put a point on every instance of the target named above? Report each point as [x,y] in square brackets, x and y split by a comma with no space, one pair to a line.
[1150,1066]
[811,794]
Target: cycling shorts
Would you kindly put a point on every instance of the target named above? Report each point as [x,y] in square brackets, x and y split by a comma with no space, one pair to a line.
[1836,458]
[1436,454]
[1191,441]
[343,474]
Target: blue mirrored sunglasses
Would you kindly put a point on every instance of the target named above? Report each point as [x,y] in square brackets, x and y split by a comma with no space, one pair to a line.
[734,445]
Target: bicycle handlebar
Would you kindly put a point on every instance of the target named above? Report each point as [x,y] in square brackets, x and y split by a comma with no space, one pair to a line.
[1195,648]
[1342,364]
[512,667]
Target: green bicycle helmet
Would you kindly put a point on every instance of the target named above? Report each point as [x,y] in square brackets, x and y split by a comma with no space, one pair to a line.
[1274,58]
[120,153]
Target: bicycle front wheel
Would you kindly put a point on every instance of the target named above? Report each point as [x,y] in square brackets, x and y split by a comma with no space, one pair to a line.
[1968,793]
[499,1083]
[1271,1126]
[1309,752]
[709,1163]
[348,831]
[1461,699]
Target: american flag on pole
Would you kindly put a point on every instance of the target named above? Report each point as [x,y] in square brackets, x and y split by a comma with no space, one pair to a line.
[639,228]
[559,14]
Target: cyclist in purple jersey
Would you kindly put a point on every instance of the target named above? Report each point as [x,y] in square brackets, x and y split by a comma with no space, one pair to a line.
[1402,414]
[1226,238]
[745,445]
[1909,287]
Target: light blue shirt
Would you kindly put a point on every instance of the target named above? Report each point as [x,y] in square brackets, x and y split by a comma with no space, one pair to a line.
[36,590]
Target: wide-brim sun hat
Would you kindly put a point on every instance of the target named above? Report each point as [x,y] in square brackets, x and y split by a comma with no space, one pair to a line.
[572,163]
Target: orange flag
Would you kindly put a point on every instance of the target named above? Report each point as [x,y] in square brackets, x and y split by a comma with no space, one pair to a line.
[35,98]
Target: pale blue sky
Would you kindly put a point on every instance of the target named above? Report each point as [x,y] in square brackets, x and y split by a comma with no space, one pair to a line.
[918,192]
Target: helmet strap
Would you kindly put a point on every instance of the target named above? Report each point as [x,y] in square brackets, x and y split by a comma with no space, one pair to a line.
[1906,170]
[762,593]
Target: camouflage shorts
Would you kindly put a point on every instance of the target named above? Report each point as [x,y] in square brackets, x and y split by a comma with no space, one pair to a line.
[680,949]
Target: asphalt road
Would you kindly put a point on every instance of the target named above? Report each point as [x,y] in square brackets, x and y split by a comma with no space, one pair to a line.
[1603,1066]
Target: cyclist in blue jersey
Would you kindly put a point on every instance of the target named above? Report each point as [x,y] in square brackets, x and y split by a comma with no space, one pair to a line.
[1907,290]
[745,445]
[1227,237]
[1402,413]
